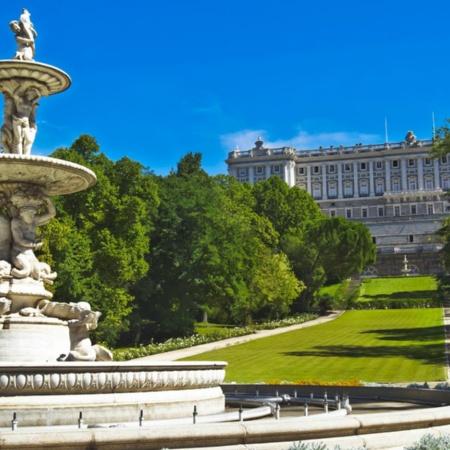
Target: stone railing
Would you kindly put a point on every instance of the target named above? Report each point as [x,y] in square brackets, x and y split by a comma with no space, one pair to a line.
[329,151]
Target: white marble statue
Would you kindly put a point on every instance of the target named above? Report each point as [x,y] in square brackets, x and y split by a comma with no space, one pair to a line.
[81,319]
[25,35]
[23,229]
[19,119]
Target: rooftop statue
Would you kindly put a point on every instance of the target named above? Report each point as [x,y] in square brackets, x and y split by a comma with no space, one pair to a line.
[25,35]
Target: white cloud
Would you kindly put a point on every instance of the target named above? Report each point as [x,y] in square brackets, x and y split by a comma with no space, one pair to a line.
[304,140]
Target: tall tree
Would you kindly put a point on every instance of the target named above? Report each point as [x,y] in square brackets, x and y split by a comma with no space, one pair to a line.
[332,247]
[100,237]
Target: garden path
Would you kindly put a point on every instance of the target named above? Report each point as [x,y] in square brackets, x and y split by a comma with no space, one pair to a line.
[196,350]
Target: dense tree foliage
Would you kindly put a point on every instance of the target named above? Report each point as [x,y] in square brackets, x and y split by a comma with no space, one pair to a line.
[210,254]
[100,237]
[441,145]
[332,247]
[154,253]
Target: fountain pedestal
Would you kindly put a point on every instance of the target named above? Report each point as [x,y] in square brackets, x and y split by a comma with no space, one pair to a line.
[35,382]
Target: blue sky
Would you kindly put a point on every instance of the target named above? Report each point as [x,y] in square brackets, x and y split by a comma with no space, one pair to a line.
[153,80]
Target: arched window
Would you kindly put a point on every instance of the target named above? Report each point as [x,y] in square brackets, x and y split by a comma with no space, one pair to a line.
[317,191]
[332,190]
[446,184]
[364,187]
[395,184]
[348,189]
[412,184]
[379,186]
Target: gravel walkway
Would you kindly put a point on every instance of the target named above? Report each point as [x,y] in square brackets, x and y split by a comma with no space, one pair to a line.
[196,350]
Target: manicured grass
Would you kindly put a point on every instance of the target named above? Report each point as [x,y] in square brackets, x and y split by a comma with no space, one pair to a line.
[386,286]
[399,292]
[203,328]
[373,346]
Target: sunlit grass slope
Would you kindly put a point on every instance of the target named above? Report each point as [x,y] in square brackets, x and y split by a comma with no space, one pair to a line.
[373,346]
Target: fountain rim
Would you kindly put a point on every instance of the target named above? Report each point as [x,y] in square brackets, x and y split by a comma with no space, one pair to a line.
[55,79]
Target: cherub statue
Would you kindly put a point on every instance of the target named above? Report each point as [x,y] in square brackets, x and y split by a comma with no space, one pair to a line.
[25,35]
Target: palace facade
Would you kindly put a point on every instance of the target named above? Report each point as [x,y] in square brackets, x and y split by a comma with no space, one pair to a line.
[396,189]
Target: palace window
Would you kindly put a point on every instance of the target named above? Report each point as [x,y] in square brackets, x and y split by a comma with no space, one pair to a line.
[332,190]
[397,210]
[379,187]
[412,184]
[276,169]
[301,170]
[364,188]
[381,211]
[429,183]
[379,165]
[347,167]
[317,191]
[364,213]
[363,166]
[395,163]
[348,213]
[316,169]
[445,184]
[413,210]
[260,170]
[444,160]
[242,172]
[430,208]
[428,161]
[411,162]
[331,169]
[348,189]
[332,213]
[411,238]
[396,185]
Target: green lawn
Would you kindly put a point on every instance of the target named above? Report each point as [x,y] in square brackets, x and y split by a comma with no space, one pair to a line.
[373,346]
[204,328]
[372,287]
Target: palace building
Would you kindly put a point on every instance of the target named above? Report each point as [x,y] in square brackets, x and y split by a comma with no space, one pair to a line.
[396,189]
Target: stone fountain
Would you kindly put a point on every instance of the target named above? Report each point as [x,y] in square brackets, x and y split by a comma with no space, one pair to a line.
[49,369]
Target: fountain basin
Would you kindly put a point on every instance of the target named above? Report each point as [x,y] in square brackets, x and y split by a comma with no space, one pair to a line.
[55,393]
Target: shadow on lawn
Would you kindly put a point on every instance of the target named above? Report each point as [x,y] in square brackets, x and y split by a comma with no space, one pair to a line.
[409,334]
[403,295]
[427,354]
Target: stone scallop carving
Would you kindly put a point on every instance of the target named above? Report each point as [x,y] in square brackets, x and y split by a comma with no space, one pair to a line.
[53,176]
[51,80]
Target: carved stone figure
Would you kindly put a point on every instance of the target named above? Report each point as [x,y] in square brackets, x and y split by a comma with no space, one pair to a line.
[5,236]
[19,119]
[81,348]
[23,229]
[410,138]
[25,35]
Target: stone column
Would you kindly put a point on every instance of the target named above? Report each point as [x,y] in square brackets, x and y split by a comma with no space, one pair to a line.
[308,179]
[355,180]
[291,171]
[324,182]
[340,185]
[404,176]
[251,175]
[388,175]
[267,174]
[437,181]
[420,171]
[371,181]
